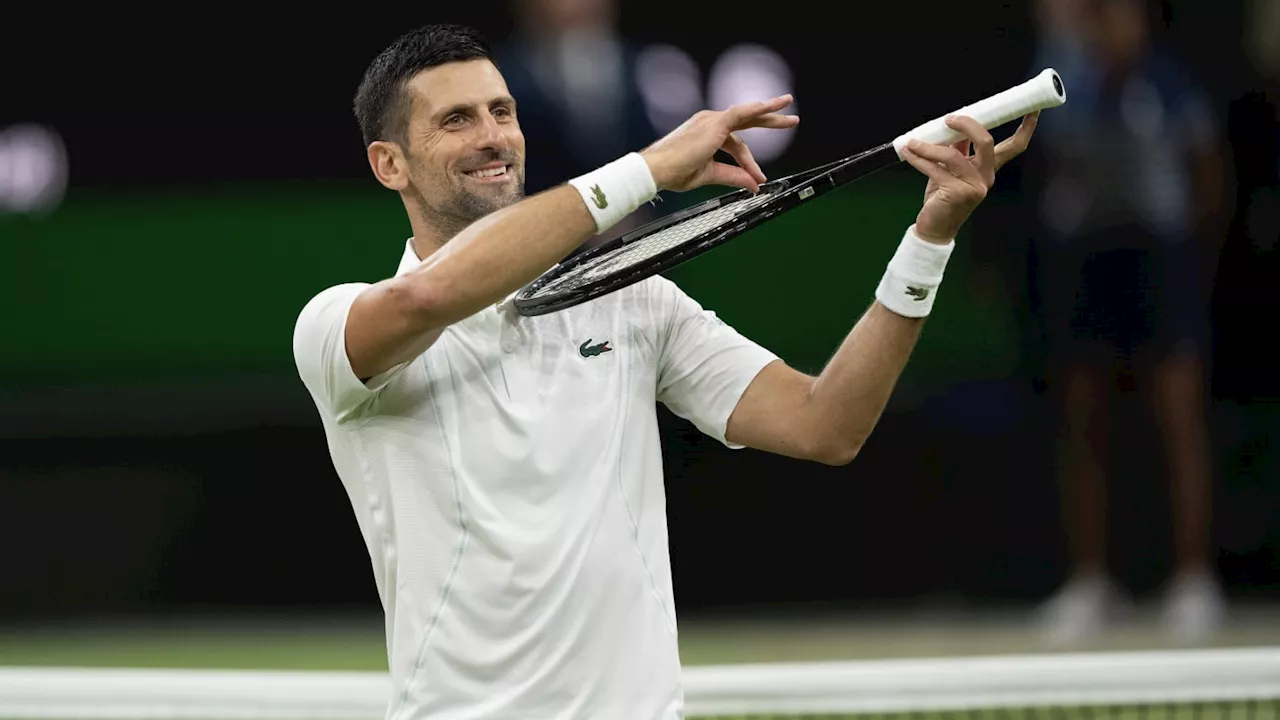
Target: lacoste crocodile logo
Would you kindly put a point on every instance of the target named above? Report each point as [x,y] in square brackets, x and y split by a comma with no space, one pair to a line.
[917,293]
[587,350]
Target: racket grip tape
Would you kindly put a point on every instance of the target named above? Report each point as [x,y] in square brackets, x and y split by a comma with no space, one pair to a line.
[1039,93]
[614,191]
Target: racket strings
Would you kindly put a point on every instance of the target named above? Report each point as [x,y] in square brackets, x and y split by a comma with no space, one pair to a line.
[648,246]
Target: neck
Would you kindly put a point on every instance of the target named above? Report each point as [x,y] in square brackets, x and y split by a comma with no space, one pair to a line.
[431,233]
[426,240]
[423,247]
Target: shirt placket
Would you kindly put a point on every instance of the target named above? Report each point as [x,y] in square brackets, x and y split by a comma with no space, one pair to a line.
[511,348]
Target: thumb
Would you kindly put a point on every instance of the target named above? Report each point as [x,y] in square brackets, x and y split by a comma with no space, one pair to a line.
[718,173]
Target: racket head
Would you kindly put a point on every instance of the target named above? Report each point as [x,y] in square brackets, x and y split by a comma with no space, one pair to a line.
[683,235]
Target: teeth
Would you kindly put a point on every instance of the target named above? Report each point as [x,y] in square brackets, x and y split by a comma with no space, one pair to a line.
[489,173]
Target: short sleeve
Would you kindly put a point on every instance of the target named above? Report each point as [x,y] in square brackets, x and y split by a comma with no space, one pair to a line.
[320,353]
[704,364]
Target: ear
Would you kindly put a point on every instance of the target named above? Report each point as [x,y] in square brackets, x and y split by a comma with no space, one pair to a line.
[388,163]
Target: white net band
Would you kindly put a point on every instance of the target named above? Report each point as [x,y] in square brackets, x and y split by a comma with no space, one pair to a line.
[1236,677]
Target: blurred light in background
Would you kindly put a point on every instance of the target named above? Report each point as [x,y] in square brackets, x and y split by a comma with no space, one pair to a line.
[671,84]
[33,169]
[747,73]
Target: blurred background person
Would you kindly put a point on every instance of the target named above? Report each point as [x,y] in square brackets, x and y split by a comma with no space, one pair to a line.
[1251,252]
[1245,381]
[574,78]
[1132,181]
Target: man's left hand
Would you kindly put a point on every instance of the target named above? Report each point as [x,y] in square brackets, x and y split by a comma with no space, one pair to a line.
[959,181]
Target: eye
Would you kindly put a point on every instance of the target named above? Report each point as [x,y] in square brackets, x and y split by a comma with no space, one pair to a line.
[454,121]
[503,112]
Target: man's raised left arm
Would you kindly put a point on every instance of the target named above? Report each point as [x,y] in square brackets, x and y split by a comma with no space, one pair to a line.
[828,418]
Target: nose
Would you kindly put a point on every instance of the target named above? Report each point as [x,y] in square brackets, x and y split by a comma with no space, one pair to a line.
[489,134]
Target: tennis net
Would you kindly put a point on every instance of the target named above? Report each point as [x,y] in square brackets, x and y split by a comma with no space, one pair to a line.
[1237,684]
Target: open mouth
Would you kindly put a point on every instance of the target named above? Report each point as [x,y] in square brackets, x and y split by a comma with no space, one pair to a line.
[490,173]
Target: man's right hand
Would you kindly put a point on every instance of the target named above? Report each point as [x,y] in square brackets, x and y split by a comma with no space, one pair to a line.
[685,158]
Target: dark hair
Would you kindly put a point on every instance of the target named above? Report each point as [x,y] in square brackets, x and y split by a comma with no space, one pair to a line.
[382,103]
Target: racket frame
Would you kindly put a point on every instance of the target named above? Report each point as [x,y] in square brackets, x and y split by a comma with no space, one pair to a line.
[788,192]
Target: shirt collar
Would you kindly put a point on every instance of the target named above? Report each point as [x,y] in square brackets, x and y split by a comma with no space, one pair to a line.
[409,260]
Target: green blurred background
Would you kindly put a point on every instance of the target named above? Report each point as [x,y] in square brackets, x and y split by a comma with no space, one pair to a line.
[206,283]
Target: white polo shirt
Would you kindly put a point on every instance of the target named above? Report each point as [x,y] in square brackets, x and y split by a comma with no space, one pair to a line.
[508,484]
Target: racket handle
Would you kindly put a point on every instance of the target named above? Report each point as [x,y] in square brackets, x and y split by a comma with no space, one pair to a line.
[1040,92]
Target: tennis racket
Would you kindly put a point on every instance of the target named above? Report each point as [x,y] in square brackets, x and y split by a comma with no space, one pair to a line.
[684,235]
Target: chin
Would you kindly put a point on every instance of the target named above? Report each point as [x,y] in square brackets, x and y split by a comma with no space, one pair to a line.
[515,196]
[504,197]
[481,206]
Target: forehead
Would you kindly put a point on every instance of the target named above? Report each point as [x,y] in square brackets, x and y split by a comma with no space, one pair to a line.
[470,82]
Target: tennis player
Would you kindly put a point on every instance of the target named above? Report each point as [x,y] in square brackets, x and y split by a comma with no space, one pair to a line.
[505,471]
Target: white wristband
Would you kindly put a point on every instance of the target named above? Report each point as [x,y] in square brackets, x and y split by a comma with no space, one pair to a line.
[911,280]
[616,190]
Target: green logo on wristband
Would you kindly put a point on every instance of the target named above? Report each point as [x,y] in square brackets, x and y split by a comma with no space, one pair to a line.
[600,200]
[918,293]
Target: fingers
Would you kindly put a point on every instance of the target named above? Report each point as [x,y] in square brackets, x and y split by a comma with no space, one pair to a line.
[760,114]
[718,173]
[952,163]
[984,154]
[742,155]
[930,168]
[772,120]
[745,110]
[1014,145]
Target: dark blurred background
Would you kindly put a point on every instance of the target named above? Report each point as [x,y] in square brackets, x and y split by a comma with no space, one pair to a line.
[173,190]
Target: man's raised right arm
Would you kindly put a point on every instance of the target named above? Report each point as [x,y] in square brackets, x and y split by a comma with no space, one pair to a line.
[397,319]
